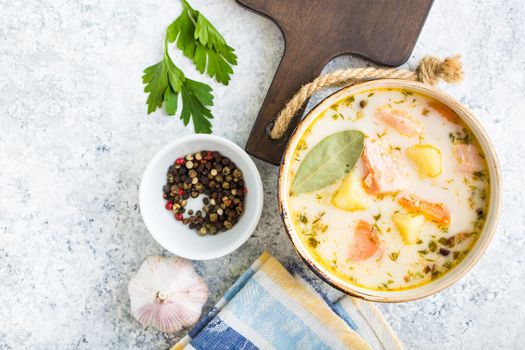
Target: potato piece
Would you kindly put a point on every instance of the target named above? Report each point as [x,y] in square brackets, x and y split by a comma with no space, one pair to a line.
[426,158]
[350,196]
[409,226]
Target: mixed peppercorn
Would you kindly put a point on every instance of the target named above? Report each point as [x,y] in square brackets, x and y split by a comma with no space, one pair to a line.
[218,179]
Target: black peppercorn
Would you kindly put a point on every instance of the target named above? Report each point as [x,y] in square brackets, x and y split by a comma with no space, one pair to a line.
[444,251]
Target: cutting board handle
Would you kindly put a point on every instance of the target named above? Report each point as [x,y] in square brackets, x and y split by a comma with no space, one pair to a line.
[295,70]
[315,31]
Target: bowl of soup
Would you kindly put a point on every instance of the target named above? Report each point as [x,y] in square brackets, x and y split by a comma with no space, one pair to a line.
[390,190]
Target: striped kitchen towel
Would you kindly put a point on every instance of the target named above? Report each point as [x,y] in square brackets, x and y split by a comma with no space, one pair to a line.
[269,308]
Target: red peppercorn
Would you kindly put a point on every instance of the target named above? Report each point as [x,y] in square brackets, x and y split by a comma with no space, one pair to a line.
[179,161]
[181,192]
[245,190]
[169,205]
[179,217]
[209,156]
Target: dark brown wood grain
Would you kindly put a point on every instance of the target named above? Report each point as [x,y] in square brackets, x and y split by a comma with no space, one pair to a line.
[316,31]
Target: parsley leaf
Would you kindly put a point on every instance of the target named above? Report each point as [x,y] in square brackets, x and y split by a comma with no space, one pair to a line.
[195,97]
[198,40]
[156,80]
[165,82]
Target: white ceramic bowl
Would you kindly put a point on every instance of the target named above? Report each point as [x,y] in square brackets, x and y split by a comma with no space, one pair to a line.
[178,238]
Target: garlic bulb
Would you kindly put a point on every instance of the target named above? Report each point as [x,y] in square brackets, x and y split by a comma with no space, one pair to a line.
[167,293]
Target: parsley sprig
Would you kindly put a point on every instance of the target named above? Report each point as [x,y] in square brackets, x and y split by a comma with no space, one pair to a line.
[198,39]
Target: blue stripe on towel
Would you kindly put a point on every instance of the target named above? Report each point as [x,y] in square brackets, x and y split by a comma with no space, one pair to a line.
[217,335]
[341,312]
[297,270]
[234,289]
[239,284]
[273,320]
[203,322]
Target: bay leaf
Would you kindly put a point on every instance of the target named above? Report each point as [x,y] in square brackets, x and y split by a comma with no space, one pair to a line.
[328,161]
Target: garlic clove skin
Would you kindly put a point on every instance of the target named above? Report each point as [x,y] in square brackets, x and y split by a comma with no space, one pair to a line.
[167,293]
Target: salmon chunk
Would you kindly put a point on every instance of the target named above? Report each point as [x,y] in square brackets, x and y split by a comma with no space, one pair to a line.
[436,212]
[400,120]
[365,242]
[445,111]
[468,158]
[383,172]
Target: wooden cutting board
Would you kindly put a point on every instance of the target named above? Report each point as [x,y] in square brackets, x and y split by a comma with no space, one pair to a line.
[316,31]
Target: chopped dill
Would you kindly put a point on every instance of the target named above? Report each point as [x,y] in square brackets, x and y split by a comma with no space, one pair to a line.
[303,218]
[313,242]
[338,116]
[348,101]
[479,175]
[394,255]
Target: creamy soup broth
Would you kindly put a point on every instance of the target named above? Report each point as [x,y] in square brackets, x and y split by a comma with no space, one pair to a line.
[460,188]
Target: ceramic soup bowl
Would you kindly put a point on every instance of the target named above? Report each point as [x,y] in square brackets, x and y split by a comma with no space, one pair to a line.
[493,200]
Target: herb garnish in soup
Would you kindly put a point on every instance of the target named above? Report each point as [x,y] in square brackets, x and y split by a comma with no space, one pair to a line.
[389,189]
